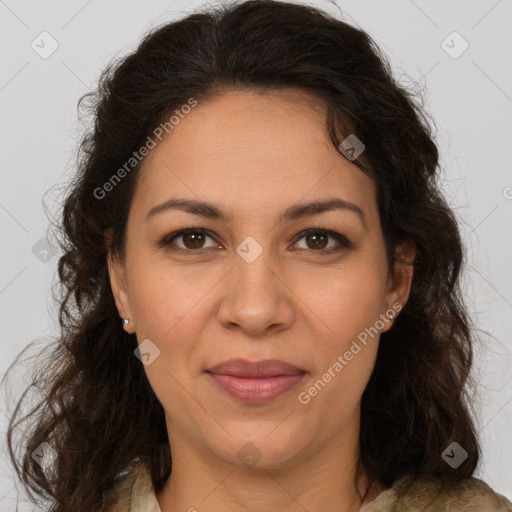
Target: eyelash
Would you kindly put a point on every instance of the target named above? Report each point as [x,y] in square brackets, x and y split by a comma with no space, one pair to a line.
[345,244]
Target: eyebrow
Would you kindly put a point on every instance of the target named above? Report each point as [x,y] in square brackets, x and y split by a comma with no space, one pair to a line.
[294,212]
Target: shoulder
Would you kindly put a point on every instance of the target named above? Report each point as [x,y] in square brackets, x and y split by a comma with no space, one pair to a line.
[132,492]
[417,494]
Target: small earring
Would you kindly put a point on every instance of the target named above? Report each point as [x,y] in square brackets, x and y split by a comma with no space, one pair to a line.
[391,315]
[126,322]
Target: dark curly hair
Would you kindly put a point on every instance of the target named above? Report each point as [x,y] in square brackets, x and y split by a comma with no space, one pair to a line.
[416,402]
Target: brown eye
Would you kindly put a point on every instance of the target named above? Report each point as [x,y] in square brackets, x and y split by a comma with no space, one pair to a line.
[191,240]
[317,240]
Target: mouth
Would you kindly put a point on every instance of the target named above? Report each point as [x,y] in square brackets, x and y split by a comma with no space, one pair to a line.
[256,382]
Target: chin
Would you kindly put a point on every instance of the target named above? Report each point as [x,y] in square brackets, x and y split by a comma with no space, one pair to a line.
[262,448]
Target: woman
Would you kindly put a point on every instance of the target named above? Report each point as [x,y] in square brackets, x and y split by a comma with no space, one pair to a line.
[261,305]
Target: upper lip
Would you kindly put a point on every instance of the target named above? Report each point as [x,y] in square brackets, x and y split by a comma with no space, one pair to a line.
[262,368]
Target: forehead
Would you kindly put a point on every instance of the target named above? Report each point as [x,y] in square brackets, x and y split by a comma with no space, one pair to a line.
[254,148]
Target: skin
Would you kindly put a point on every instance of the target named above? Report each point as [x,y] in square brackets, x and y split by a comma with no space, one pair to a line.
[254,154]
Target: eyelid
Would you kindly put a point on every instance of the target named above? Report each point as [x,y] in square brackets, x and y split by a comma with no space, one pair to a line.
[343,241]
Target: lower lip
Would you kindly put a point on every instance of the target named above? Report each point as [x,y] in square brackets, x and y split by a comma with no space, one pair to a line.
[256,390]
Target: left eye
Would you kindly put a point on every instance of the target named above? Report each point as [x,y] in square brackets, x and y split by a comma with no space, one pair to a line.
[317,240]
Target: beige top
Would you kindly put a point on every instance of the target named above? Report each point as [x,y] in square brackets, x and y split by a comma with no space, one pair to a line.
[135,493]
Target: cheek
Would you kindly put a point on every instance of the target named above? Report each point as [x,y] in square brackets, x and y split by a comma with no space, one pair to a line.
[345,353]
[164,298]
[348,303]
[345,301]
[169,308]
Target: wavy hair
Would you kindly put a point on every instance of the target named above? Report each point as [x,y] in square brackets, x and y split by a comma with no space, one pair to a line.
[95,407]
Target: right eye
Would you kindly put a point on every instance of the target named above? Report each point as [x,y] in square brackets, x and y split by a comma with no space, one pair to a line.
[192,240]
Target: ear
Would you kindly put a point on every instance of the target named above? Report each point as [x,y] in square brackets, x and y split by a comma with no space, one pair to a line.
[117,276]
[399,285]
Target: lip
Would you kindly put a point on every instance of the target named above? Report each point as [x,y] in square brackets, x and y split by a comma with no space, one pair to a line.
[255,382]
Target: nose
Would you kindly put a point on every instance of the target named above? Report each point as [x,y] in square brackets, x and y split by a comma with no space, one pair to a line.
[257,297]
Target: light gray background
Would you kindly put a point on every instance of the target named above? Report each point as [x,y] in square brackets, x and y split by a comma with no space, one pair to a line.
[470,98]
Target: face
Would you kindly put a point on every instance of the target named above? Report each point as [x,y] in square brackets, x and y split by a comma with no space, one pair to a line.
[256,278]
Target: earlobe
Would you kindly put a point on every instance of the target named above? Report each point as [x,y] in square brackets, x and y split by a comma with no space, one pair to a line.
[119,290]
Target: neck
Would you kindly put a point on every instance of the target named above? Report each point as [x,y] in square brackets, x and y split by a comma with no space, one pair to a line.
[324,481]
